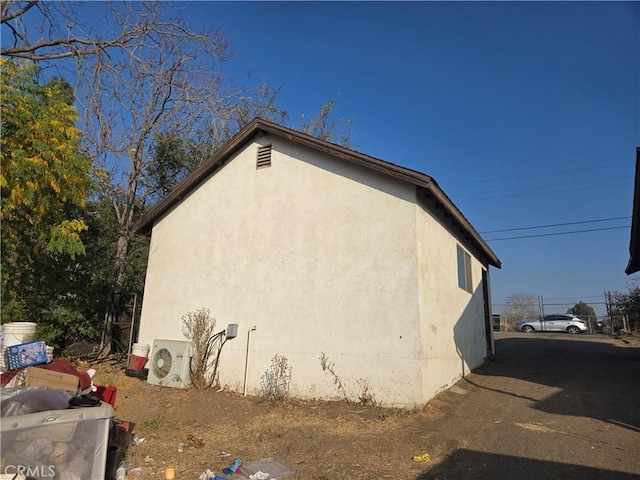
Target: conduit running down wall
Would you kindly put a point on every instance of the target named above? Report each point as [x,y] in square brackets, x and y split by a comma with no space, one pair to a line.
[246,364]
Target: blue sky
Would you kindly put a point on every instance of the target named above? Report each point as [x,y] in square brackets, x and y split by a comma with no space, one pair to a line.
[526,114]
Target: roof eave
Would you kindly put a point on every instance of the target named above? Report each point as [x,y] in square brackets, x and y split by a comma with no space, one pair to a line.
[219,158]
[255,127]
[491,258]
[634,242]
[258,126]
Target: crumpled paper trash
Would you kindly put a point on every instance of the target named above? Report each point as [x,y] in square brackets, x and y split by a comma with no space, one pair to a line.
[209,475]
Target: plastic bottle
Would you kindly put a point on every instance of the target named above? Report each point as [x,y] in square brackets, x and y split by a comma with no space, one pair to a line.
[121,472]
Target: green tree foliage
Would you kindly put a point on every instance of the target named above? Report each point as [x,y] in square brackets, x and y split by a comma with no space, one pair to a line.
[101,241]
[43,171]
[153,104]
[45,179]
[65,296]
[627,304]
[173,159]
[582,310]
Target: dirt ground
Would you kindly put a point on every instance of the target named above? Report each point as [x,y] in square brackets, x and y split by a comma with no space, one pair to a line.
[320,440]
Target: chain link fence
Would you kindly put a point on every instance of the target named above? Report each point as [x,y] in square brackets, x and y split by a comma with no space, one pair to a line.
[97,344]
[595,325]
[82,347]
[124,332]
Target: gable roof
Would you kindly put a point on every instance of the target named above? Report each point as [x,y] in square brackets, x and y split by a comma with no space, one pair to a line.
[258,126]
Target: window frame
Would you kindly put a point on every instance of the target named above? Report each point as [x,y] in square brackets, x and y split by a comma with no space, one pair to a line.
[465,278]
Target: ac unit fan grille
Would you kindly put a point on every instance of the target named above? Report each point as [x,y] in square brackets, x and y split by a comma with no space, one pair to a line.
[162,361]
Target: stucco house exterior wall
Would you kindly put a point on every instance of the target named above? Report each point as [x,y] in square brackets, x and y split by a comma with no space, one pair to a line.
[325,257]
[451,333]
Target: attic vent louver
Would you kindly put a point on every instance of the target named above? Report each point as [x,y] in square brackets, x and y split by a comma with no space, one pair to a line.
[264,157]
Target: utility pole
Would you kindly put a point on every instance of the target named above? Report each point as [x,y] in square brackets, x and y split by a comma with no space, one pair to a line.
[607,302]
[541,308]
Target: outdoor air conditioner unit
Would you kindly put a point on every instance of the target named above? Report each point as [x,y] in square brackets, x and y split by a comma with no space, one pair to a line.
[169,364]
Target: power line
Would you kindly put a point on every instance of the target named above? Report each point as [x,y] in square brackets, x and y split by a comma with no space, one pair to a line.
[559,233]
[539,174]
[561,300]
[555,225]
[545,187]
[551,304]
[520,192]
[568,303]
[480,150]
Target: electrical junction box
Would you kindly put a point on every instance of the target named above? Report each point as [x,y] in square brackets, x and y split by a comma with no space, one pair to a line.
[232,331]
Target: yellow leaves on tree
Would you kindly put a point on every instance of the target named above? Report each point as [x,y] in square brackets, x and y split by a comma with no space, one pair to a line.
[44,177]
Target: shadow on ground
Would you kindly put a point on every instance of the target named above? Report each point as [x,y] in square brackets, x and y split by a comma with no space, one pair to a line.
[468,464]
[595,378]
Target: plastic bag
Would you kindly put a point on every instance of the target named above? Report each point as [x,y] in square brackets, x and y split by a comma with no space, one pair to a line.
[22,401]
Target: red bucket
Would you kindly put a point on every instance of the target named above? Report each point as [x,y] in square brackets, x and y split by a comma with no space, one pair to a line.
[107,394]
[136,362]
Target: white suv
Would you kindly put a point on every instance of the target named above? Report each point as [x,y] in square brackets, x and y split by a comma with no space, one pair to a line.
[556,322]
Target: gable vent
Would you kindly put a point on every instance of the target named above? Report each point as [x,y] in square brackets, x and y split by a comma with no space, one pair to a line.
[264,157]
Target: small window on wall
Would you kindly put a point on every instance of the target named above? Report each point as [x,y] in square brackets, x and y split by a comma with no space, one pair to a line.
[464,270]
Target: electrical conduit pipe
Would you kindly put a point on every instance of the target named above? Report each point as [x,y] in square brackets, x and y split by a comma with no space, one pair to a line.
[246,365]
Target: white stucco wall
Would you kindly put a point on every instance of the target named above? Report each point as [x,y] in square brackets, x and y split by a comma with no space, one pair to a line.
[452,319]
[316,253]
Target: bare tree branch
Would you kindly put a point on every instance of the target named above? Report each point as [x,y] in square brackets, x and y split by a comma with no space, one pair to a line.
[138,74]
[6,6]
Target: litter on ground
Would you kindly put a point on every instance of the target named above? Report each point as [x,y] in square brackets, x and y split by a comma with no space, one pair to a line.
[425,457]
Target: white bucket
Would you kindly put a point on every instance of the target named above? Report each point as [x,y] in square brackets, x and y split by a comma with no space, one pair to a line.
[15,333]
[140,350]
[49,353]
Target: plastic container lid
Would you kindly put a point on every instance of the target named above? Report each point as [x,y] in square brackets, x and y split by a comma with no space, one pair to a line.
[274,467]
[55,417]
